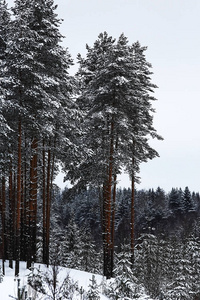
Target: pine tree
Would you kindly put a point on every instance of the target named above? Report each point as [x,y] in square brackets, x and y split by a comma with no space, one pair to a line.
[5,129]
[140,120]
[35,106]
[118,111]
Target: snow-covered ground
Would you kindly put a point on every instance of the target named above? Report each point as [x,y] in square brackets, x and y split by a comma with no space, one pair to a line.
[9,285]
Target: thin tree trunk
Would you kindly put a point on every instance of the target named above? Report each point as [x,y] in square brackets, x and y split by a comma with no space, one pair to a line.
[113,223]
[33,204]
[11,231]
[14,213]
[3,217]
[52,169]
[113,213]
[18,199]
[48,206]
[35,186]
[44,202]
[2,248]
[26,206]
[132,219]
[22,233]
[108,208]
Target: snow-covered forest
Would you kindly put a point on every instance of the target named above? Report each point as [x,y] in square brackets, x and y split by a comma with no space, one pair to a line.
[92,125]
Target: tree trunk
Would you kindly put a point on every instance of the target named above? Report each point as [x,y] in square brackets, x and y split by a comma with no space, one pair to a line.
[132,219]
[48,204]
[3,218]
[107,209]
[33,204]
[14,214]
[11,230]
[18,199]
[113,223]
[22,233]
[44,202]
[113,213]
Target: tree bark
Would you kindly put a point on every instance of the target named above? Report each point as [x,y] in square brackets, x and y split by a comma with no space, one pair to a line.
[107,208]
[22,233]
[48,204]
[3,218]
[132,219]
[18,199]
[11,229]
[44,202]
[113,223]
[33,204]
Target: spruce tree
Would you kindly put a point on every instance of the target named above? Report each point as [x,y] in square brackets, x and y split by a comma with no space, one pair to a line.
[175,201]
[187,200]
[125,282]
[93,293]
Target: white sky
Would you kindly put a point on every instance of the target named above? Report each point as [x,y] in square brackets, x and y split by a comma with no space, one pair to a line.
[171,30]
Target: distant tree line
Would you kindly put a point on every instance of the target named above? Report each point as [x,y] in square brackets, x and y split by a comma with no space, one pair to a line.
[166,245]
[165,215]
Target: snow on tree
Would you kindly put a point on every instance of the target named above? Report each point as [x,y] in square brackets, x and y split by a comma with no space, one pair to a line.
[35,106]
[114,86]
[93,293]
[187,200]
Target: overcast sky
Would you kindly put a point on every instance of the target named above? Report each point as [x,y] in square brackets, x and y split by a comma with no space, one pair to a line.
[170,29]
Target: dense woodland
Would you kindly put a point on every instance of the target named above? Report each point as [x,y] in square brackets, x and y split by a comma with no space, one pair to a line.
[93,126]
[167,239]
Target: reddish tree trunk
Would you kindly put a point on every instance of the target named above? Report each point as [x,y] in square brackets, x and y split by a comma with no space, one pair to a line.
[108,209]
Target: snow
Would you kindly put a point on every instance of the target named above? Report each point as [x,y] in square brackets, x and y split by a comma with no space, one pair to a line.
[9,285]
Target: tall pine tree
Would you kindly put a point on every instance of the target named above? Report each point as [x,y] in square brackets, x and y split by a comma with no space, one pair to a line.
[114,86]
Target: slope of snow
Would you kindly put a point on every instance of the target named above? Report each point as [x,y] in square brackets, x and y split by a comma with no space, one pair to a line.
[9,285]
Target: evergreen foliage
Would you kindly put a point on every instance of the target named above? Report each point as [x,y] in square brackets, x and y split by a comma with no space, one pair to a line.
[35,107]
[187,200]
[93,293]
[125,284]
[93,125]
[115,100]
